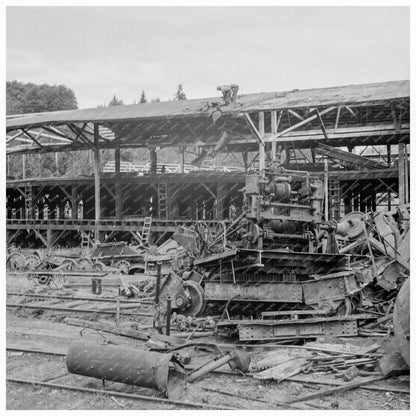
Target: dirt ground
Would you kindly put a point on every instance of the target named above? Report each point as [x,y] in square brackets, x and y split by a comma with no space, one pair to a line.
[28,328]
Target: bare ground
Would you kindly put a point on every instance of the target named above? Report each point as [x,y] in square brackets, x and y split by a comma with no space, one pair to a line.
[46,331]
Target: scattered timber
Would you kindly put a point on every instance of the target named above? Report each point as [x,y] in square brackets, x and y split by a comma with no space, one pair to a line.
[337,389]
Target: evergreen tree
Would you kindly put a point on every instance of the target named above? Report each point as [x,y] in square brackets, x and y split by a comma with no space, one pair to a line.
[180,95]
[143,98]
[115,102]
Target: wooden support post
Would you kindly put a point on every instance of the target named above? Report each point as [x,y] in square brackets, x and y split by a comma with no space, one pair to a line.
[182,159]
[402,175]
[57,163]
[262,149]
[118,191]
[221,194]
[326,190]
[274,131]
[117,158]
[49,238]
[153,161]
[97,195]
[389,155]
[245,161]
[74,205]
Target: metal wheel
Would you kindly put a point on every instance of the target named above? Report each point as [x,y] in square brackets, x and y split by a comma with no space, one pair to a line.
[32,261]
[195,294]
[84,264]
[123,265]
[98,266]
[68,265]
[345,308]
[16,261]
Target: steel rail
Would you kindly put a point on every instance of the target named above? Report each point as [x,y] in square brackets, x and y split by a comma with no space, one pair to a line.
[34,295]
[51,308]
[120,394]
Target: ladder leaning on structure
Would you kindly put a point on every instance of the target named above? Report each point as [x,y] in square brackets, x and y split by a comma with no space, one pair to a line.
[144,236]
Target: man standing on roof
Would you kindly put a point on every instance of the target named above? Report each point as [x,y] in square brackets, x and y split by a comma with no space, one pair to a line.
[229,93]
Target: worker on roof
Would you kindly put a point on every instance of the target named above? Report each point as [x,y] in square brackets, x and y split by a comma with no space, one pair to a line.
[229,93]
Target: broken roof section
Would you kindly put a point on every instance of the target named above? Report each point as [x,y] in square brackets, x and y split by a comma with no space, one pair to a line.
[365,93]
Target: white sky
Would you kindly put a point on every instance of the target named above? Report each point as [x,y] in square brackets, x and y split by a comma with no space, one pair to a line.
[102,51]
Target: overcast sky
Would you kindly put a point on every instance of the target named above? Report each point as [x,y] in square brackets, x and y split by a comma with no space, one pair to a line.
[102,51]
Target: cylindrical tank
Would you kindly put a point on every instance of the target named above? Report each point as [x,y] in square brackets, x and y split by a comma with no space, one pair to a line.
[401,321]
[125,365]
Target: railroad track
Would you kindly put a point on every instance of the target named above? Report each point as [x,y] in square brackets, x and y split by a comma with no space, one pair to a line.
[111,309]
[139,397]
[114,393]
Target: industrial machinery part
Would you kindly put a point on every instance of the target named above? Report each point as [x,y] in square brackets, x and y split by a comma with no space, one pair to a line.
[260,330]
[16,261]
[401,321]
[351,226]
[239,360]
[124,365]
[32,261]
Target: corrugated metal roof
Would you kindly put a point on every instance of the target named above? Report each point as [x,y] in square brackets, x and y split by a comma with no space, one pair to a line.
[200,107]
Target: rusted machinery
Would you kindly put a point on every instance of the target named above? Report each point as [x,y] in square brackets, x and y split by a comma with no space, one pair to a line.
[279,254]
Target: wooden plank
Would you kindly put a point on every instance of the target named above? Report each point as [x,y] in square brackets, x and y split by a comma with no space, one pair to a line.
[315,380]
[337,389]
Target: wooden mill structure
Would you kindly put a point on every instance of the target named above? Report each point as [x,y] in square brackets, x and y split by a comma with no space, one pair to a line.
[356,137]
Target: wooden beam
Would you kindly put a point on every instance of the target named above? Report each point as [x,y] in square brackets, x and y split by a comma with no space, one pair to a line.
[41,237]
[393,115]
[296,114]
[9,139]
[253,127]
[35,139]
[337,118]
[351,111]
[301,123]
[321,123]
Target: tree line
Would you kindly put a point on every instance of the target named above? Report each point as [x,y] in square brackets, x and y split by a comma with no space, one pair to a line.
[24,98]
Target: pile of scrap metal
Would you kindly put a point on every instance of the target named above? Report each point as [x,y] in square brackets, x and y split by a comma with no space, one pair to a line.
[279,258]
[341,365]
